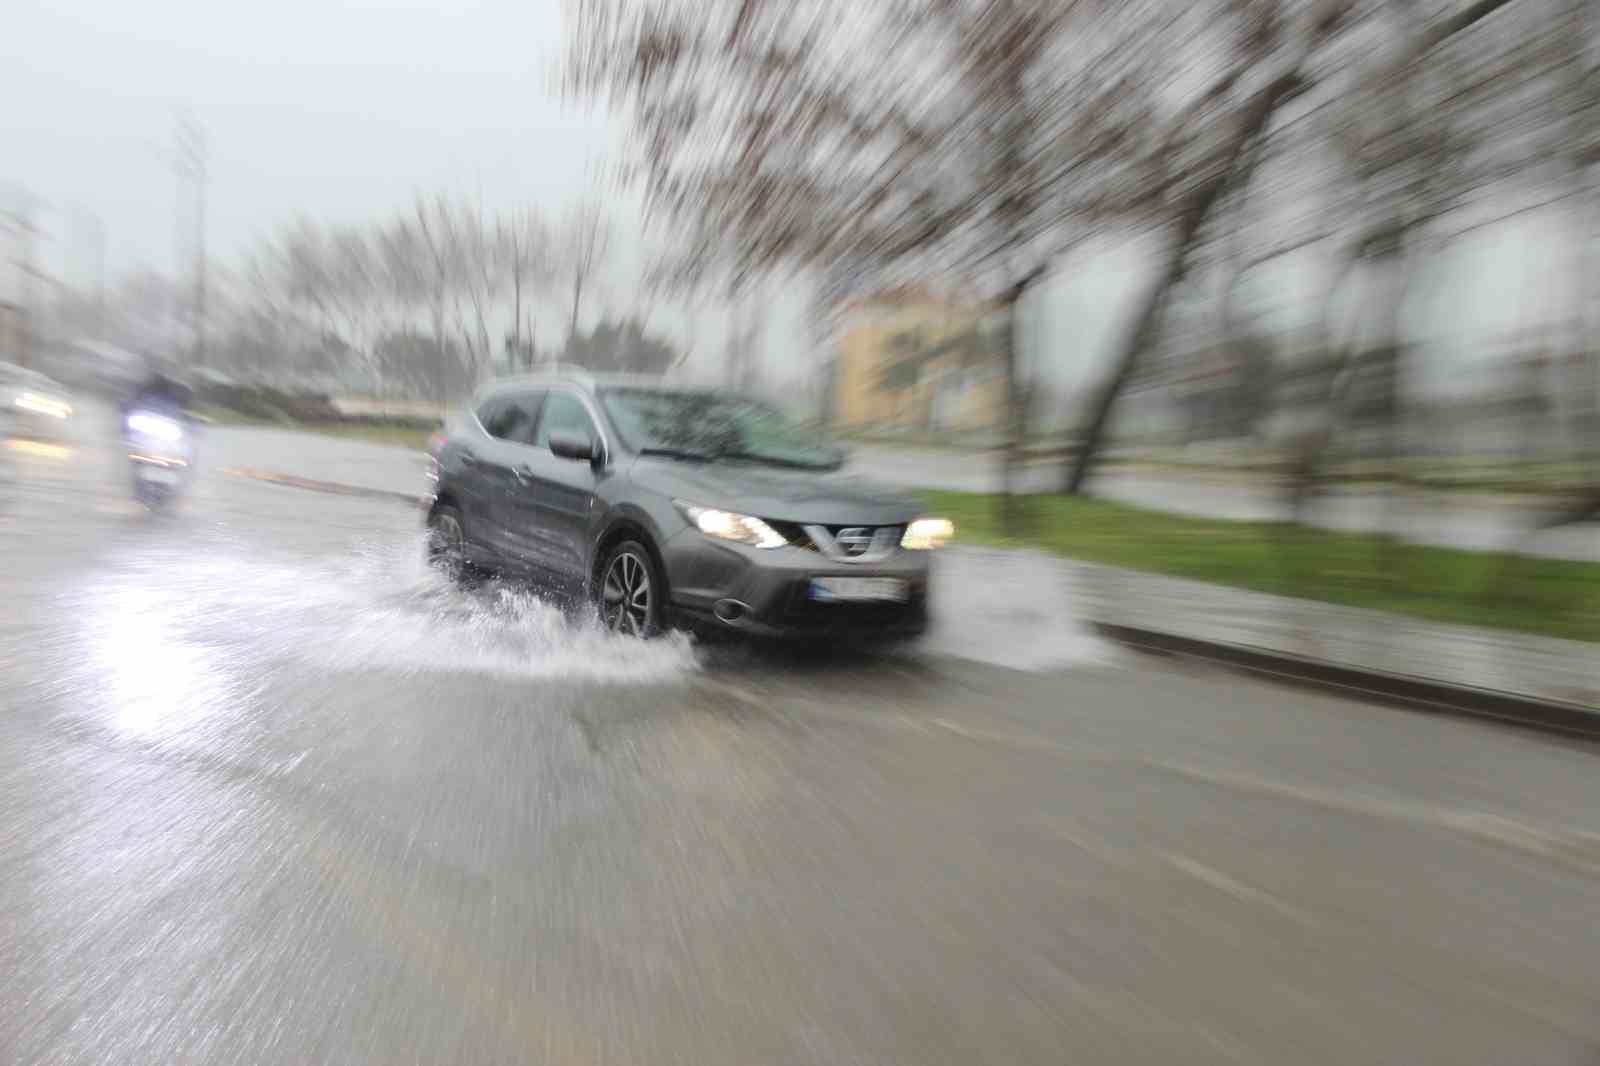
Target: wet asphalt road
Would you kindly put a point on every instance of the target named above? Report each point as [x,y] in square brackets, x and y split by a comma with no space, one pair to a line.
[271,793]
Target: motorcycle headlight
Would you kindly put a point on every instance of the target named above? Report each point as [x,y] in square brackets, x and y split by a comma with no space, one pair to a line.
[725,525]
[155,427]
[926,534]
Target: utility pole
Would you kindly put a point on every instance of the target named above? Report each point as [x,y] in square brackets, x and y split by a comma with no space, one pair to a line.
[190,161]
[89,242]
[97,235]
[21,220]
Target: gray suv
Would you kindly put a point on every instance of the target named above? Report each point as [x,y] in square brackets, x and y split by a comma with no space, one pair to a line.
[676,506]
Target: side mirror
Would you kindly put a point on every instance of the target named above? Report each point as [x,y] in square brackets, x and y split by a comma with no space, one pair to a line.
[571,446]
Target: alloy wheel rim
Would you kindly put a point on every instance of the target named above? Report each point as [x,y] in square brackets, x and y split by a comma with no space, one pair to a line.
[627,595]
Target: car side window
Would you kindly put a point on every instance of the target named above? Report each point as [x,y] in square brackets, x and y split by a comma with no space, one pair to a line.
[511,418]
[488,412]
[565,413]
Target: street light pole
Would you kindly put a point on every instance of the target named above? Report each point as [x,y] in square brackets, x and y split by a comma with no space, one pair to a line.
[190,162]
[21,219]
[97,234]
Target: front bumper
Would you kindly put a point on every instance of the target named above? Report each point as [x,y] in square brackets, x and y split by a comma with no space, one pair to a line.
[772,587]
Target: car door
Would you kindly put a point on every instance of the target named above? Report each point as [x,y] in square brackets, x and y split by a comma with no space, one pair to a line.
[508,428]
[560,501]
[464,468]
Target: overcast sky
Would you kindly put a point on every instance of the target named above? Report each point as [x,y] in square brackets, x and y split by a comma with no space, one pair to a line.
[342,109]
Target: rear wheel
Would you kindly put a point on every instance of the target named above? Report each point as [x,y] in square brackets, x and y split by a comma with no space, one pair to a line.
[630,591]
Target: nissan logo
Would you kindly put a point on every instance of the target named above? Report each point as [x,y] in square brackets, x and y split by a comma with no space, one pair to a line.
[855,540]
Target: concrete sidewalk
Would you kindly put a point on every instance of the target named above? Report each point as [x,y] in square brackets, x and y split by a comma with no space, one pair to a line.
[1450,667]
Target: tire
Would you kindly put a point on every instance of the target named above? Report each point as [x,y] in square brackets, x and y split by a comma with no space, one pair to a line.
[447,542]
[630,591]
[152,498]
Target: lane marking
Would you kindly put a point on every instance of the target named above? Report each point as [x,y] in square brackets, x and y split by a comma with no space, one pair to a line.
[1237,889]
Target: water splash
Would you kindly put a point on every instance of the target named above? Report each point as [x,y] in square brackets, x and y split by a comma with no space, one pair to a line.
[171,631]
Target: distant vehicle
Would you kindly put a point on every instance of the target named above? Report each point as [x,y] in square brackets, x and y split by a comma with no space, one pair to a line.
[161,453]
[32,405]
[677,506]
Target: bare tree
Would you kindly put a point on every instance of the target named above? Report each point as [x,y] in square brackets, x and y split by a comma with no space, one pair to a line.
[528,257]
[582,248]
[932,139]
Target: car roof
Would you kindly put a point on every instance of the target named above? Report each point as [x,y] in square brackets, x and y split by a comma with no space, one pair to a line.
[582,379]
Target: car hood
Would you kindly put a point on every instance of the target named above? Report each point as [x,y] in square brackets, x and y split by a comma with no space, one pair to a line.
[827,497]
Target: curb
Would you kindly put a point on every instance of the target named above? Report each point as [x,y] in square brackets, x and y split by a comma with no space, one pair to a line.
[336,488]
[1417,693]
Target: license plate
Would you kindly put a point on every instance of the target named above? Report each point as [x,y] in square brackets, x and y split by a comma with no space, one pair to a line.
[837,589]
[158,476]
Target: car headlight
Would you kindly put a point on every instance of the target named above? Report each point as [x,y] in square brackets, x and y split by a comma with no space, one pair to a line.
[740,528]
[44,405]
[928,533]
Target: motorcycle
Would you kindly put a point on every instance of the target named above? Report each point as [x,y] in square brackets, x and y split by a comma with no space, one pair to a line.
[161,449]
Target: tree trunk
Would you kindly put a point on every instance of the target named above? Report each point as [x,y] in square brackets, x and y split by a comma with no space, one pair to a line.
[577,296]
[516,319]
[1011,453]
[1147,316]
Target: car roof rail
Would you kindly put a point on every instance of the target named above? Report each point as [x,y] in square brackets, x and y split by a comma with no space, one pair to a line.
[575,374]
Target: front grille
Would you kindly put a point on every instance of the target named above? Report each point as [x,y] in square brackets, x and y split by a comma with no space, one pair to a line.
[858,540]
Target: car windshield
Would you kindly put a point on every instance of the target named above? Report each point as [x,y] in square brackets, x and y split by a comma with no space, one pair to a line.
[709,425]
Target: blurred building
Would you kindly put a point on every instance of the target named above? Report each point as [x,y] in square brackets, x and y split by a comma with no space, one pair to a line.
[912,361]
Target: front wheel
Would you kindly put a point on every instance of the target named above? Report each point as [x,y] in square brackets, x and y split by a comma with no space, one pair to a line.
[630,591]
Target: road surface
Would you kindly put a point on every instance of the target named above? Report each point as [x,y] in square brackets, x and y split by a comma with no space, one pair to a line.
[270,792]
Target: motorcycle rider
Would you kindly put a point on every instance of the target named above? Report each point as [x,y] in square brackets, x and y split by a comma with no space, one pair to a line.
[162,458]
[160,393]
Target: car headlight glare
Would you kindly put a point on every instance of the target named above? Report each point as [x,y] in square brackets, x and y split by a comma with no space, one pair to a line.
[44,405]
[927,533]
[739,528]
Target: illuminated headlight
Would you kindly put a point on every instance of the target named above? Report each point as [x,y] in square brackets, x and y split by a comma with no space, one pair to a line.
[155,426]
[928,533]
[43,405]
[725,525]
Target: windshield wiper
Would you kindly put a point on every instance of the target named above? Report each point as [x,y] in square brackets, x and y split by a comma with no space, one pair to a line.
[773,460]
[678,453]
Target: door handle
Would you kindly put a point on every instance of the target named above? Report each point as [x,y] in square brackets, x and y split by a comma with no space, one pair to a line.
[468,459]
[522,472]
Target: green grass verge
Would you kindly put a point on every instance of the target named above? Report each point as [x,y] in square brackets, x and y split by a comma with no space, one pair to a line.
[1549,597]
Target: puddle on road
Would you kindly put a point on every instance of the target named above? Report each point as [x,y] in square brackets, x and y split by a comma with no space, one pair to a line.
[166,634]
[170,632]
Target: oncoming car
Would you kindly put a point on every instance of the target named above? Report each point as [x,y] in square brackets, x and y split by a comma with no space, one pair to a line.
[31,404]
[677,506]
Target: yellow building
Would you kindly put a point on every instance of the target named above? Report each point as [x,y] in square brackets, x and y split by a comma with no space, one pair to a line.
[911,361]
